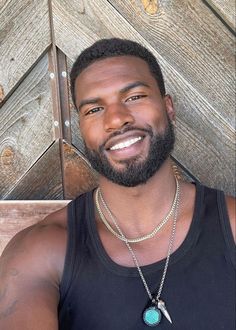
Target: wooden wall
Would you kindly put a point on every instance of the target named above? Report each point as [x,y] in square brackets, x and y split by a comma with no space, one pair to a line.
[41,151]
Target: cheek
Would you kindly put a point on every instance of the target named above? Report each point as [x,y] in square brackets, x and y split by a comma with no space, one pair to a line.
[91,134]
[152,116]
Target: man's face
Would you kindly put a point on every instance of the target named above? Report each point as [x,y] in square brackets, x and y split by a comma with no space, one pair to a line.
[124,120]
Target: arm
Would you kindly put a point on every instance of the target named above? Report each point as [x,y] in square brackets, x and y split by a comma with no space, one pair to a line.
[30,270]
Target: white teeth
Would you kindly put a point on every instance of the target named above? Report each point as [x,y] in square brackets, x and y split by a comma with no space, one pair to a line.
[125,144]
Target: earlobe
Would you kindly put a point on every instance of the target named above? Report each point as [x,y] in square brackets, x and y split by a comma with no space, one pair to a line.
[170,108]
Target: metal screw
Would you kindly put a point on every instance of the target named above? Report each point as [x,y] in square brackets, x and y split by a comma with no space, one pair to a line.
[67,123]
[56,124]
[64,74]
[52,75]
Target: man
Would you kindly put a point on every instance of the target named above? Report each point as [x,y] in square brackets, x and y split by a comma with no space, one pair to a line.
[142,250]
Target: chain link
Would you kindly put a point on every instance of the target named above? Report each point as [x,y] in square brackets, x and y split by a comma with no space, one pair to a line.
[171,241]
[142,238]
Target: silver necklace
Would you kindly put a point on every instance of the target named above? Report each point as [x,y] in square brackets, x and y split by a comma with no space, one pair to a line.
[152,314]
[142,238]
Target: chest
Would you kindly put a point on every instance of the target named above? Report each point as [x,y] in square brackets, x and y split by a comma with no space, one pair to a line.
[194,294]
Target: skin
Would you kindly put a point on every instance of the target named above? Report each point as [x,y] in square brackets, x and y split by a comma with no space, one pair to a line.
[32,264]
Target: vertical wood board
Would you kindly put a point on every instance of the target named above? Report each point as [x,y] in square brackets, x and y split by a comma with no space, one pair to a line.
[77,139]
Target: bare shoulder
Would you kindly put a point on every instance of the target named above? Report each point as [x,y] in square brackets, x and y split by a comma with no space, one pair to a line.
[231,207]
[30,271]
[47,238]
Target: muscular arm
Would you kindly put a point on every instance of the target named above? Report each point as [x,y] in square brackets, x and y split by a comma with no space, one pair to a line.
[30,270]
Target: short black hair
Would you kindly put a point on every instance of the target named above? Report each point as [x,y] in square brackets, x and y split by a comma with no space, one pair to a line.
[113,47]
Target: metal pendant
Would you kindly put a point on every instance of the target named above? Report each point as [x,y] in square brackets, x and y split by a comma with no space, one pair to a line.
[161,305]
[152,316]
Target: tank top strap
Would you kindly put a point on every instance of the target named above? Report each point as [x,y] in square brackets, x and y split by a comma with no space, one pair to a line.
[226,227]
[76,237]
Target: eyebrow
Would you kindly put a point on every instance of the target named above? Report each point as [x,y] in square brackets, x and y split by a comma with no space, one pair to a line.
[88,101]
[122,90]
[133,85]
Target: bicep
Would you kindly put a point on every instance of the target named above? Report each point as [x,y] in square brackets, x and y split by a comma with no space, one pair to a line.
[26,307]
[28,294]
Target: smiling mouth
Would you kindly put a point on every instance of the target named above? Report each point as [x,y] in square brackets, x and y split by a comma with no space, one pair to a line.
[126,143]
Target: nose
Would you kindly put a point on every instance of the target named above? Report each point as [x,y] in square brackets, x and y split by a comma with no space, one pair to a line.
[116,117]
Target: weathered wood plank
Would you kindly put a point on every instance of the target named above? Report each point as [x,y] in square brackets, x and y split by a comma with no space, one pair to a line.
[195,42]
[226,9]
[25,126]
[24,36]
[43,180]
[79,177]
[205,141]
[199,71]
[77,140]
[186,34]
[17,215]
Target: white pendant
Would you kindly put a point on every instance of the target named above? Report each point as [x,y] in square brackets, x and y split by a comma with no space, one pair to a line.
[161,305]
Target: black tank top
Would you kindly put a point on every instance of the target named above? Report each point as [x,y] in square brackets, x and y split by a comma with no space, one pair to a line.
[199,290]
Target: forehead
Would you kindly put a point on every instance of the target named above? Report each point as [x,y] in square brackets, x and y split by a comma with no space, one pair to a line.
[113,72]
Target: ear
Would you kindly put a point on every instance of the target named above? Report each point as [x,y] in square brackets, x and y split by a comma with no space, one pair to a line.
[169,107]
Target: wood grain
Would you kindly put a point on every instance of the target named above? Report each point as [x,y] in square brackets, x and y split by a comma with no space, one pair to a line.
[43,180]
[17,215]
[226,9]
[25,126]
[205,141]
[24,36]
[150,6]
[187,35]
[79,177]
[77,139]
[194,42]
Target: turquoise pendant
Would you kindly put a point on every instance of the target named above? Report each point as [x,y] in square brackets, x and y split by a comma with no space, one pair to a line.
[152,316]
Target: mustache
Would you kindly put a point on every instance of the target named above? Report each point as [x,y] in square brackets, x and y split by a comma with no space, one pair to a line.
[126,129]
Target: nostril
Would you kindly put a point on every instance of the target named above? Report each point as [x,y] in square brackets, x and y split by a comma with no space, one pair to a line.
[126,123]
[117,118]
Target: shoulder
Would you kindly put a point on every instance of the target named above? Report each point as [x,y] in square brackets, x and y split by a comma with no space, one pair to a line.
[39,249]
[30,269]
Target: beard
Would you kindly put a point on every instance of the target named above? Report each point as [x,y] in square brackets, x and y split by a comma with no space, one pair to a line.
[136,171]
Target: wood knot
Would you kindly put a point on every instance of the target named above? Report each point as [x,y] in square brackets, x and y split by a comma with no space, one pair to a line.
[1,93]
[7,156]
[150,6]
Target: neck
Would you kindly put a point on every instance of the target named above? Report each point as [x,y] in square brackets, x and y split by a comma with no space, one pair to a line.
[139,209]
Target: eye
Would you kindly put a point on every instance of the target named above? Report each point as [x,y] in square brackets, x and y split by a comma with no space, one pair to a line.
[93,110]
[135,97]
